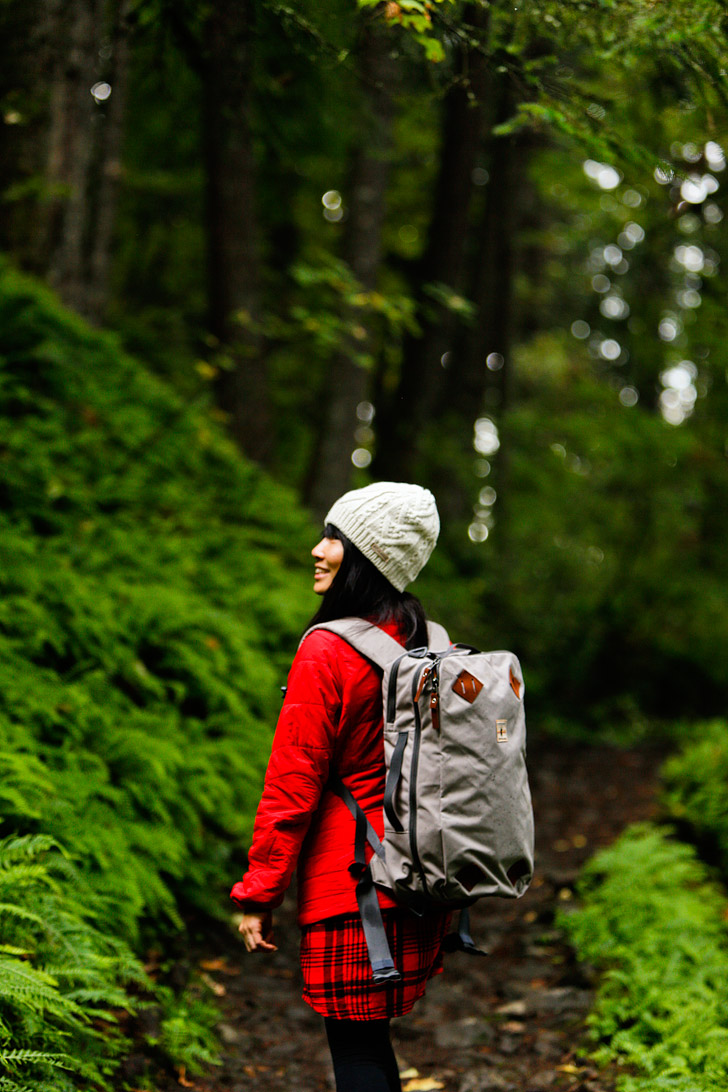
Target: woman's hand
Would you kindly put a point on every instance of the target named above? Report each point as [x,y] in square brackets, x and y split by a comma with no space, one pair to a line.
[257,931]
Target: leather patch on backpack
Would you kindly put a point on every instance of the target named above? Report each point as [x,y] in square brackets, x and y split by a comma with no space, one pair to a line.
[467,686]
[516,684]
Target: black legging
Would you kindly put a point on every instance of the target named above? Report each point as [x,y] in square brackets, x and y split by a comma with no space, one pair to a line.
[362,1054]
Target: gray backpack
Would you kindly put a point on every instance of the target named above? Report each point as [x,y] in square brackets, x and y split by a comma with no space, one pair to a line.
[458,820]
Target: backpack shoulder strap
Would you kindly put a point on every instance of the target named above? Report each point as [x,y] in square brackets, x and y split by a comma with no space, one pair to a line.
[374,643]
[438,639]
[370,640]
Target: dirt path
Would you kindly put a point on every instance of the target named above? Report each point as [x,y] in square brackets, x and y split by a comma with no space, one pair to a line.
[508,1023]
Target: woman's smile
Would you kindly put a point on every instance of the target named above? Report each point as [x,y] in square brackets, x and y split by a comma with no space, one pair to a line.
[328,555]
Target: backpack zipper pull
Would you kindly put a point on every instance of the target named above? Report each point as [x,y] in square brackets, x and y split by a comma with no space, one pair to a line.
[423,682]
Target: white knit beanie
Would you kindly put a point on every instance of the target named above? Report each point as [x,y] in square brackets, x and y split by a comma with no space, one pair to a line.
[395,526]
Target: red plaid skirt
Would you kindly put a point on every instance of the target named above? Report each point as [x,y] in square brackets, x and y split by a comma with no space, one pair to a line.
[337,976]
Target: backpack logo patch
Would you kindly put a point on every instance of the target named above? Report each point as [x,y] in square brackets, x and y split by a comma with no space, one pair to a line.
[501,731]
[467,686]
[516,684]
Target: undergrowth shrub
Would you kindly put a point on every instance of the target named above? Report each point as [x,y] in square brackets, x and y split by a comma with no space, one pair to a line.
[152,587]
[695,790]
[653,922]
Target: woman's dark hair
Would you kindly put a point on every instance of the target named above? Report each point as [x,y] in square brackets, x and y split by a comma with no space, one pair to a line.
[360,589]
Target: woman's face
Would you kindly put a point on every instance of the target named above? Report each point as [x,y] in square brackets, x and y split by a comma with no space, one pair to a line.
[328,555]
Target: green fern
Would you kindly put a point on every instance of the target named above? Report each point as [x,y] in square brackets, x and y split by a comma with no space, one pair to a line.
[32,1057]
[147,617]
[654,923]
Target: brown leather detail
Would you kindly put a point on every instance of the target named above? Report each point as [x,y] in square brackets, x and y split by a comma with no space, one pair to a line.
[423,680]
[467,686]
[516,684]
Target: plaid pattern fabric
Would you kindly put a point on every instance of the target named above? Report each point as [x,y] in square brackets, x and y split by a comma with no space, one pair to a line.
[337,976]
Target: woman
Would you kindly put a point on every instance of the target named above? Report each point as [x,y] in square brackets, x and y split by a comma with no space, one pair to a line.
[376,540]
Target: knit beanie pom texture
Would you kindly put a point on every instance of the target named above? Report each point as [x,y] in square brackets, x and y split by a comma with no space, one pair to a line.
[394,524]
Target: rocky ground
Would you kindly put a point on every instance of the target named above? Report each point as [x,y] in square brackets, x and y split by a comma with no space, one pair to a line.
[511,1022]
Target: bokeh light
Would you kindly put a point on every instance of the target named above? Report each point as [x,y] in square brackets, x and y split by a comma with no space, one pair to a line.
[101,91]
[486,440]
[361,457]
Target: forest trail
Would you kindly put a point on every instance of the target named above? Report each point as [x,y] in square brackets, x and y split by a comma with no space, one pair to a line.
[511,1022]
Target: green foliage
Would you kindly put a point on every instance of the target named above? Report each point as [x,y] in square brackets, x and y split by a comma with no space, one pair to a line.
[602,569]
[416,18]
[655,925]
[696,788]
[186,1030]
[149,607]
[63,975]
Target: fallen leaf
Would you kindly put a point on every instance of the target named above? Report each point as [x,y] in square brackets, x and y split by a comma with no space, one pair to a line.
[512,1008]
[408,1074]
[182,1078]
[217,987]
[572,1070]
[422,1084]
[513,1027]
[220,964]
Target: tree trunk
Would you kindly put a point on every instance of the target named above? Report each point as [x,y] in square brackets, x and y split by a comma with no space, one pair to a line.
[348,383]
[491,292]
[421,379]
[480,379]
[233,263]
[107,166]
[82,171]
[25,76]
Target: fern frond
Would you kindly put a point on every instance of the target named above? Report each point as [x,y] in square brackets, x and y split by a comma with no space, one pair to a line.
[33,1057]
[8,1085]
[14,910]
[27,846]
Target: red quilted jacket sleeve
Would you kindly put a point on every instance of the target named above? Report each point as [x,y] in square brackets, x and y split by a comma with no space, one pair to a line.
[297,772]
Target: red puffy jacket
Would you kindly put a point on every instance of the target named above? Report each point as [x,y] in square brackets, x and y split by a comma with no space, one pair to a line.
[331,720]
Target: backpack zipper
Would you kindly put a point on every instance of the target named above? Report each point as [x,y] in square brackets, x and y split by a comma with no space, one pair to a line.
[435,697]
[392,685]
[413,788]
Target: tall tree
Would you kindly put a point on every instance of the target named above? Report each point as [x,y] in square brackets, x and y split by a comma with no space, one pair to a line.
[87,93]
[233,261]
[443,261]
[347,383]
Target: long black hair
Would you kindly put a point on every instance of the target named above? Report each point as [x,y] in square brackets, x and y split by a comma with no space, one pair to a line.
[360,590]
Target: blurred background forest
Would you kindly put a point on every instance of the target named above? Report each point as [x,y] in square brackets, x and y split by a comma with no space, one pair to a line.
[255,254]
[479,246]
